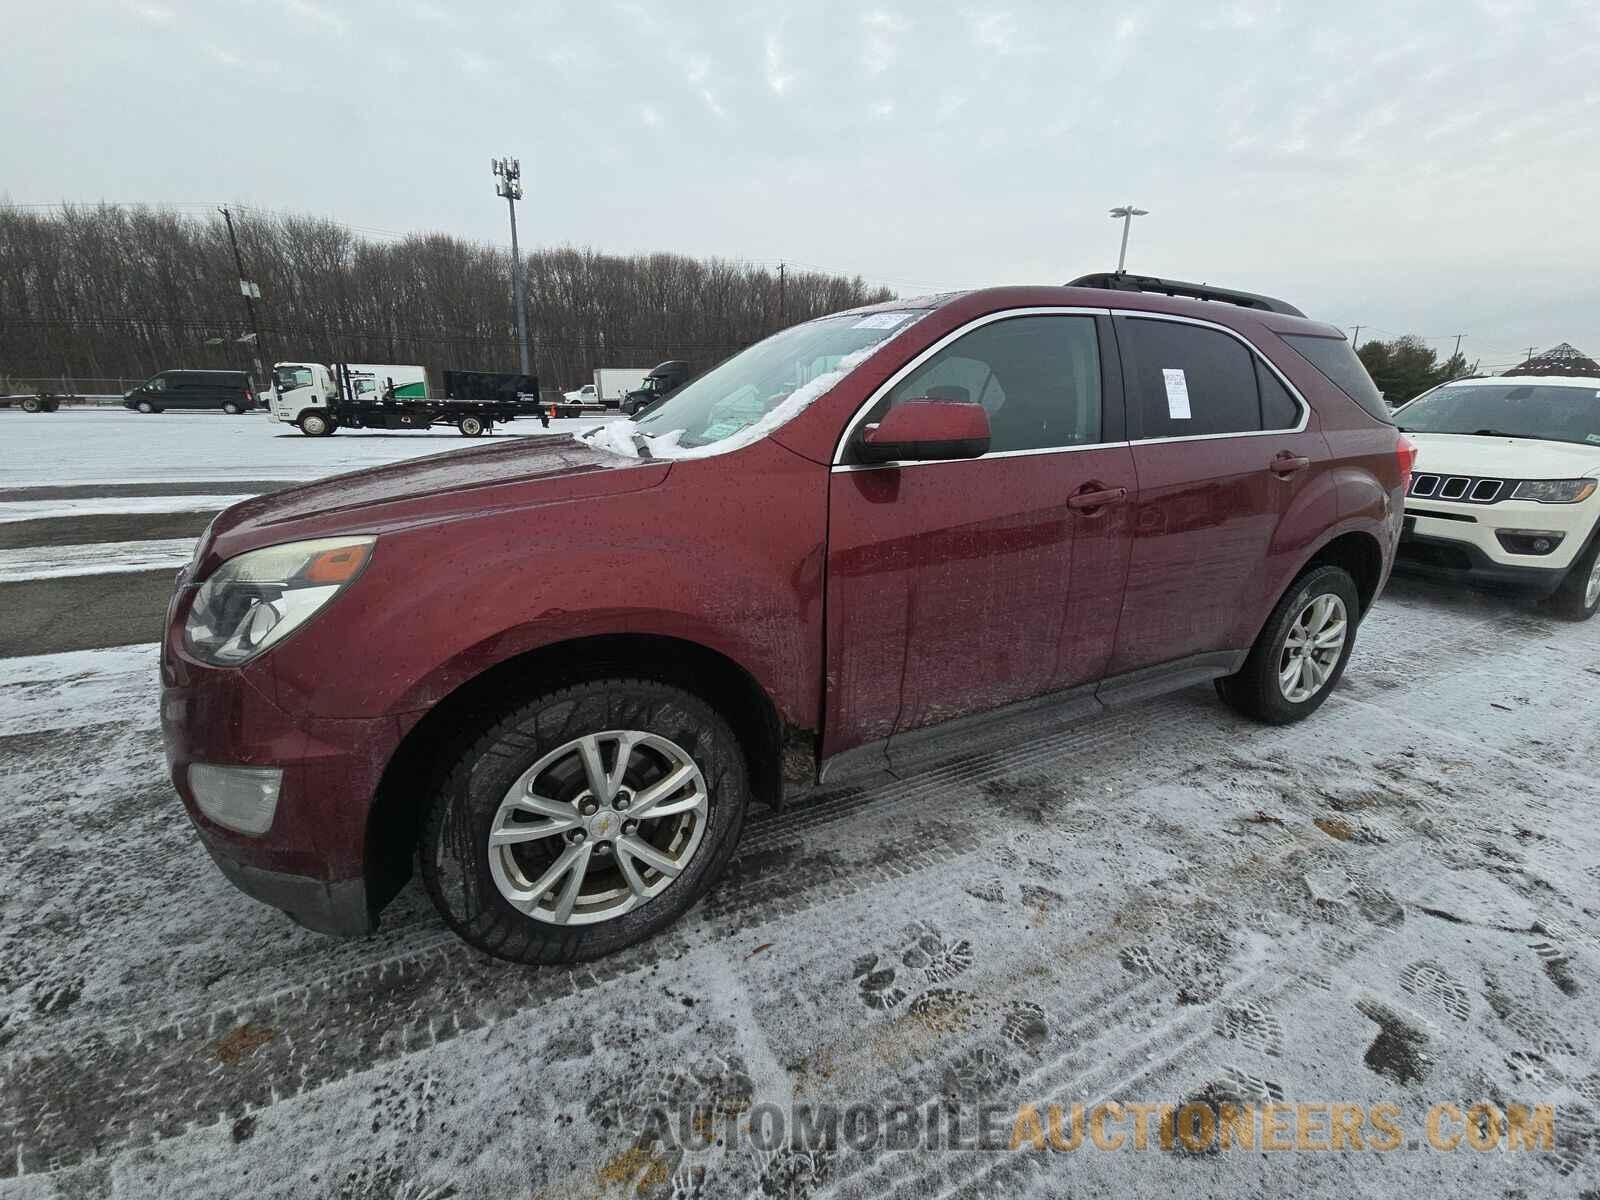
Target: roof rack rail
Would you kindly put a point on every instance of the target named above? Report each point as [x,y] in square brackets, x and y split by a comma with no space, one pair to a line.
[1121,281]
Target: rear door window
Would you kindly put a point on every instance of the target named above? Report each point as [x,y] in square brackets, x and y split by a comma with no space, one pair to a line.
[1279,410]
[1186,380]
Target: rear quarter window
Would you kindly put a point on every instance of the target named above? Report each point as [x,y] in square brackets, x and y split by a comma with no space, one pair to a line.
[1338,363]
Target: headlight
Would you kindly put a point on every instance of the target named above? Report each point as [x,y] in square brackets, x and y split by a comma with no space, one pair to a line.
[257,599]
[1554,491]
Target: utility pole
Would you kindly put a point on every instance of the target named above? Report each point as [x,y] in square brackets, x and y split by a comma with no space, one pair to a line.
[251,293]
[780,294]
[1126,213]
[508,183]
[1355,339]
[1454,353]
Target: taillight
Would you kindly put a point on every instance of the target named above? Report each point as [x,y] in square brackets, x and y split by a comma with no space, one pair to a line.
[1406,452]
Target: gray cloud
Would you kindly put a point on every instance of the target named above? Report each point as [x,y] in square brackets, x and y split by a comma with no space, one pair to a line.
[1428,166]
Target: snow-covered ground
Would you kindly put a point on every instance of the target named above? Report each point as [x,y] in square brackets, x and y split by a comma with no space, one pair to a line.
[118,446]
[1393,903]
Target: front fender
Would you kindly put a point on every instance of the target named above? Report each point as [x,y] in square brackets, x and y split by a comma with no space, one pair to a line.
[730,559]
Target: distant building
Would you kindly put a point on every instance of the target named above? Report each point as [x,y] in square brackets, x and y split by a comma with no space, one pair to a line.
[1565,359]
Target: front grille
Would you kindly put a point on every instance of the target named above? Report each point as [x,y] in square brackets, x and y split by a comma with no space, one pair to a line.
[1464,489]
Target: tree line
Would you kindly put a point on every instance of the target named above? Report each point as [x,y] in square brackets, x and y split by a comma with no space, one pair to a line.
[108,292]
[1408,366]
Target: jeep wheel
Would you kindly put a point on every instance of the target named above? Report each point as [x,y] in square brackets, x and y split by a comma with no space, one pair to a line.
[1301,653]
[585,820]
[314,424]
[1579,594]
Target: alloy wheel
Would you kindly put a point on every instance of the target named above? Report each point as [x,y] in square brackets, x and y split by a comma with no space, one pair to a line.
[597,827]
[1312,647]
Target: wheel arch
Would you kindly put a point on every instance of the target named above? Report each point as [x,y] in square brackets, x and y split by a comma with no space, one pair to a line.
[427,749]
[1358,552]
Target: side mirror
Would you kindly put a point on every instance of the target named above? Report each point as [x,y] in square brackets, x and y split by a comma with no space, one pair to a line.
[924,428]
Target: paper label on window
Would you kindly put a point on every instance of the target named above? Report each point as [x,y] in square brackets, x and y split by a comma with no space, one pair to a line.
[1177,393]
[881,320]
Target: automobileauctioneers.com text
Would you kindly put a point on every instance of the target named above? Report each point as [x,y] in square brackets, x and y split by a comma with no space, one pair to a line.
[1197,1127]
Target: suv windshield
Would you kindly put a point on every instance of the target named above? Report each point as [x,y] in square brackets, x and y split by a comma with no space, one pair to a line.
[770,382]
[1548,412]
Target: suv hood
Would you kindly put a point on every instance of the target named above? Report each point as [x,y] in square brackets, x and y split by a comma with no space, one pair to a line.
[1503,457]
[519,472]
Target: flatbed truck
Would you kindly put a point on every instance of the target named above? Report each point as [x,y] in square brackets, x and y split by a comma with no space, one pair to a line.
[320,400]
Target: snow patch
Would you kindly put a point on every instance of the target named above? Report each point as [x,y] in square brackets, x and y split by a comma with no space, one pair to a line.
[95,558]
[617,437]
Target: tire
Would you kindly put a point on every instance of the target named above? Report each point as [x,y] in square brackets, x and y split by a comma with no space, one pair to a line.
[454,851]
[1257,689]
[32,404]
[470,426]
[231,409]
[314,424]
[1578,597]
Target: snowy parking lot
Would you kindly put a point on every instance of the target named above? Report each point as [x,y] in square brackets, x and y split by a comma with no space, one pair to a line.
[1383,918]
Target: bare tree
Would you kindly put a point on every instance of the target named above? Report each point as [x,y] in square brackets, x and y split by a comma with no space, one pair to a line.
[107,292]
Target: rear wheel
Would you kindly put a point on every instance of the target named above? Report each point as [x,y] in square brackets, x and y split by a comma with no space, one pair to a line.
[231,409]
[585,820]
[32,404]
[1578,597]
[314,424]
[1301,652]
[470,426]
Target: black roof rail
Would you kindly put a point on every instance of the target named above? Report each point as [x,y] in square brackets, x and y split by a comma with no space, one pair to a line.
[1121,281]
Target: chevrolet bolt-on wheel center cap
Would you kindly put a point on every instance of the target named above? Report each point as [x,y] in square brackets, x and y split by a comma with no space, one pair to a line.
[604,825]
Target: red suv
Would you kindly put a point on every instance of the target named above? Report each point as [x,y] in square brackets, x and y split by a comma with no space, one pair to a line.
[554,671]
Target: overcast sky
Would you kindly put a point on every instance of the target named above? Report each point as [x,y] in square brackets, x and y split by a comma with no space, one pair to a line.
[1431,168]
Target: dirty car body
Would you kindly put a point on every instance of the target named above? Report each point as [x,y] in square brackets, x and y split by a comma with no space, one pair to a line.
[514,644]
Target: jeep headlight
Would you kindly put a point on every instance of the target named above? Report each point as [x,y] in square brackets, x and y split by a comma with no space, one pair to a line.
[254,601]
[1554,491]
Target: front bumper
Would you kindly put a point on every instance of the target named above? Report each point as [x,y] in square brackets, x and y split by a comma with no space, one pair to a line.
[1463,540]
[311,861]
[1456,561]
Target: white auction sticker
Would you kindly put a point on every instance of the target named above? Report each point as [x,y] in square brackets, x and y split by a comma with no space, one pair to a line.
[1177,393]
[881,320]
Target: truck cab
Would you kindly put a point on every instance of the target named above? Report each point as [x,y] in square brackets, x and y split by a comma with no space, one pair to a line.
[299,389]
[660,383]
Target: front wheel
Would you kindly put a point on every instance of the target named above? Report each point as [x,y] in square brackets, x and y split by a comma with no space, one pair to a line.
[32,404]
[231,409]
[585,820]
[1578,597]
[314,424]
[1302,651]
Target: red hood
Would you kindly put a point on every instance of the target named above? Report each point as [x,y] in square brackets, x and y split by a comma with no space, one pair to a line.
[519,472]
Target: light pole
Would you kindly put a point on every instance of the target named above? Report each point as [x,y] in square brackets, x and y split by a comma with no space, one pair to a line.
[1127,213]
[508,183]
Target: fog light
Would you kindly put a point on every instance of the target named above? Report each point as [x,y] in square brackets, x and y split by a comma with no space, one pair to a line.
[1529,541]
[240,798]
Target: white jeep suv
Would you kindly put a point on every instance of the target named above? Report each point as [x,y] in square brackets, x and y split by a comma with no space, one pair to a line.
[1505,486]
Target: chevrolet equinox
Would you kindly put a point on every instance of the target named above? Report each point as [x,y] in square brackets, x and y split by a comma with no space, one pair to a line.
[552,673]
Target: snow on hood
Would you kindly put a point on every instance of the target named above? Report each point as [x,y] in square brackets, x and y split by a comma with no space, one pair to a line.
[1506,457]
[618,436]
